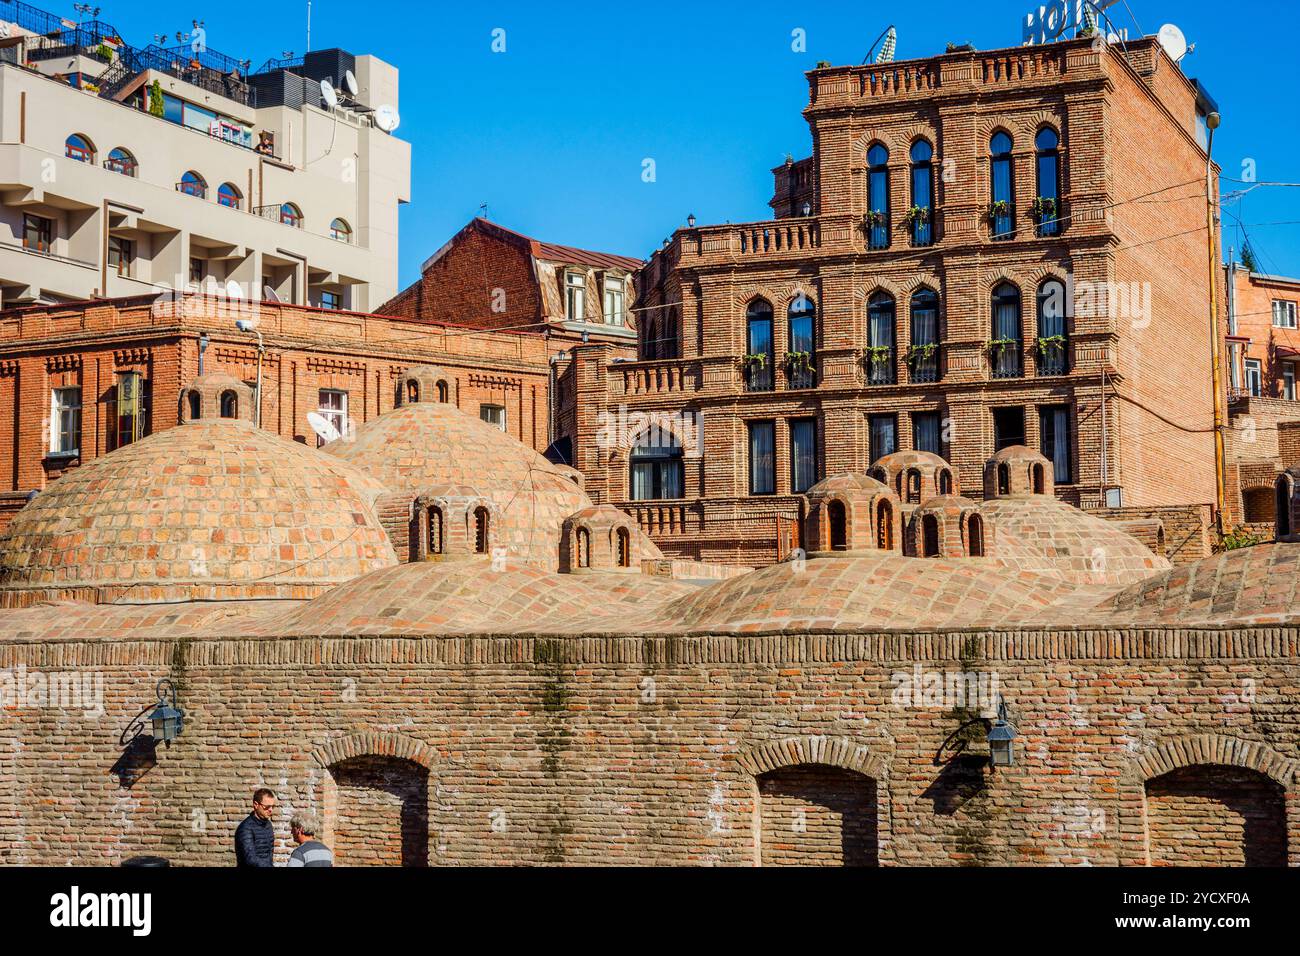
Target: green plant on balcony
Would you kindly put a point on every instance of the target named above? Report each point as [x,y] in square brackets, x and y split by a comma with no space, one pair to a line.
[156,107]
[799,361]
[921,353]
[1049,343]
[104,52]
[999,207]
[1000,346]
[1043,207]
[873,218]
[917,214]
[755,360]
[878,354]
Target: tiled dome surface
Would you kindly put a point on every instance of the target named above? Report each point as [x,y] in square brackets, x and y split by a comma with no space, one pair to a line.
[456,597]
[209,510]
[1256,585]
[427,446]
[875,592]
[1046,536]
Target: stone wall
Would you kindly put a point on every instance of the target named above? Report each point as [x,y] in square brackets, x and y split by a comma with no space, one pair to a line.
[667,750]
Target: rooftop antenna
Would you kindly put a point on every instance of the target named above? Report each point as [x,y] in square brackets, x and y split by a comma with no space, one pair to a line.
[1172,40]
[308,26]
[890,36]
[482,210]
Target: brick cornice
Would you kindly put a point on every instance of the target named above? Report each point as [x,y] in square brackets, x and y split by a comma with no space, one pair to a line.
[829,751]
[1215,749]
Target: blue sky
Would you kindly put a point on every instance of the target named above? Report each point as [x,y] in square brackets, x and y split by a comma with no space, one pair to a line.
[552,133]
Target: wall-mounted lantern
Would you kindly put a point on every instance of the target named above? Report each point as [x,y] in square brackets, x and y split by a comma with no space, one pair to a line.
[1002,738]
[167,719]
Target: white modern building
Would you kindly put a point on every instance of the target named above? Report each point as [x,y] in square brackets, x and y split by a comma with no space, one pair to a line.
[131,171]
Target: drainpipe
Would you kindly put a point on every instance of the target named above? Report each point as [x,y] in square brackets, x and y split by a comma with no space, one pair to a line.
[1220,487]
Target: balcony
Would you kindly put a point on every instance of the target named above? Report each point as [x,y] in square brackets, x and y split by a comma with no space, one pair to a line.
[880,365]
[1002,220]
[757,373]
[799,371]
[920,227]
[1052,356]
[778,236]
[923,363]
[659,377]
[1005,359]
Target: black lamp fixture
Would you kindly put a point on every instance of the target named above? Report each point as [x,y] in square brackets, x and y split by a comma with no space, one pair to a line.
[807,208]
[690,221]
[167,719]
[1002,738]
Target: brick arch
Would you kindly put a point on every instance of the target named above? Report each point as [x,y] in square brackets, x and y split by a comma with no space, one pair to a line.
[1044,272]
[830,751]
[990,281]
[375,744]
[1005,124]
[1214,749]
[774,294]
[1031,123]
[924,280]
[872,286]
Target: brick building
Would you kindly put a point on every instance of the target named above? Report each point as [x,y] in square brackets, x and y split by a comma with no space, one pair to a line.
[81,379]
[976,255]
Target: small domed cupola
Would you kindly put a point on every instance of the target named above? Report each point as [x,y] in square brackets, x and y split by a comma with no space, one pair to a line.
[215,397]
[425,383]
[601,538]
[949,527]
[915,476]
[1018,472]
[852,513]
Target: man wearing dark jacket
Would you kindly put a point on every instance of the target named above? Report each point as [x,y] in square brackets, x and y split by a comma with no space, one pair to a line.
[255,837]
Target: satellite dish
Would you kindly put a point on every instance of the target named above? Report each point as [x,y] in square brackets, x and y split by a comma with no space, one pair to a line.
[350,83]
[1172,40]
[387,118]
[268,295]
[328,94]
[323,427]
[234,290]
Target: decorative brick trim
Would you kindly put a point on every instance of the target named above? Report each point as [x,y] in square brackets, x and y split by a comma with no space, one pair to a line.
[831,751]
[1215,749]
[373,744]
[63,363]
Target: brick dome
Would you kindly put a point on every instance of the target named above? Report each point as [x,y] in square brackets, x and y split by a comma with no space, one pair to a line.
[916,475]
[423,448]
[1017,472]
[852,513]
[948,526]
[1041,534]
[211,510]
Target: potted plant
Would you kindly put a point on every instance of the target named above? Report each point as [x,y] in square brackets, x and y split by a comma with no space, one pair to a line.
[921,353]
[874,217]
[917,214]
[1048,342]
[999,346]
[754,359]
[799,361]
[999,207]
[1043,207]
[156,107]
[878,354]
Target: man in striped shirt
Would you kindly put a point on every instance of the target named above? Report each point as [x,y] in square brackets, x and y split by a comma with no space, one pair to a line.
[310,851]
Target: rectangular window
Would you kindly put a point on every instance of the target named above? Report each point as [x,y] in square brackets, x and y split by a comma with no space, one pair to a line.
[1288,381]
[762,458]
[883,435]
[65,421]
[131,409]
[1008,427]
[575,289]
[334,409]
[1254,377]
[803,454]
[196,269]
[331,300]
[38,233]
[1283,314]
[614,293]
[121,255]
[493,415]
[1054,440]
[927,432]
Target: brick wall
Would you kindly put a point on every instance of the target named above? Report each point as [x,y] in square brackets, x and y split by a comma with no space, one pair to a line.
[1216,816]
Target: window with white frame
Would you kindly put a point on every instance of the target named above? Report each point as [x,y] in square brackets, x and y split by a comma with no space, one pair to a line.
[575,290]
[1288,381]
[1283,314]
[334,409]
[1254,377]
[493,415]
[615,291]
[65,421]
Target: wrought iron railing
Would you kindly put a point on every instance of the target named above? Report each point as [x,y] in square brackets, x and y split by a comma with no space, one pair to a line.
[880,366]
[1004,360]
[923,363]
[758,377]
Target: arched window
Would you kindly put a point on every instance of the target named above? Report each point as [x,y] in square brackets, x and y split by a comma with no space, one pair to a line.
[1039,487]
[1047,211]
[228,195]
[838,523]
[434,529]
[945,481]
[290,215]
[1053,352]
[975,536]
[802,348]
[443,393]
[1002,212]
[760,353]
[340,230]
[192,184]
[885,526]
[1007,339]
[655,467]
[1283,506]
[923,356]
[229,405]
[670,336]
[1004,479]
[913,486]
[877,197]
[121,161]
[584,548]
[412,390]
[196,406]
[80,148]
[929,536]
[881,339]
[921,215]
[624,540]
[481,529]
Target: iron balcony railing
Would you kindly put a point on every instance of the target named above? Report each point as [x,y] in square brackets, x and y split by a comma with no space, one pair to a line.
[923,363]
[758,377]
[799,374]
[1004,360]
[922,230]
[1052,358]
[880,365]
